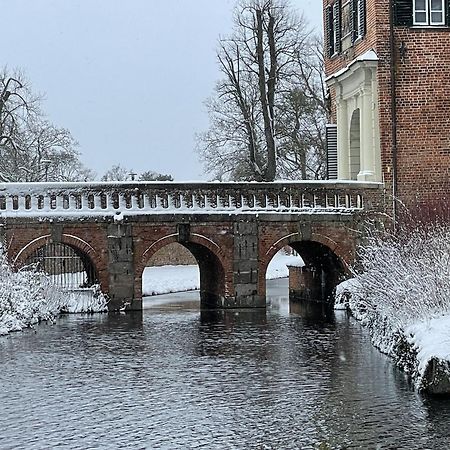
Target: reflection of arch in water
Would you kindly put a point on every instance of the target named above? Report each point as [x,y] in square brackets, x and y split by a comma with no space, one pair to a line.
[325,263]
[210,260]
[355,145]
[67,262]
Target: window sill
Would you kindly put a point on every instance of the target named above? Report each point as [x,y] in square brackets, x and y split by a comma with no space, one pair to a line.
[430,27]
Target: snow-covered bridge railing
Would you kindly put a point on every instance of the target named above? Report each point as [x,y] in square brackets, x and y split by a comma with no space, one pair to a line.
[141,198]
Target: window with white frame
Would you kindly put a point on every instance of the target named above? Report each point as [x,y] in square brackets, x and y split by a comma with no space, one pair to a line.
[429,12]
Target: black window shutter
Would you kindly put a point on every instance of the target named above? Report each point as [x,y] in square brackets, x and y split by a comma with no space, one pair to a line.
[447,21]
[329,43]
[354,20]
[331,142]
[362,14]
[337,16]
[403,12]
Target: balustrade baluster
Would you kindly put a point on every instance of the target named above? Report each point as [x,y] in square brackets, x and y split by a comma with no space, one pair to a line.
[84,201]
[47,202]
[147,201]
[135,201]
[59,202]
[97,201]
[34,203]
[21,203]
[9,203]
[122,202]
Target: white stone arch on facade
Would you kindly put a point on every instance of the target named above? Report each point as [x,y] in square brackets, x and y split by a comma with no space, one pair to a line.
[356,90]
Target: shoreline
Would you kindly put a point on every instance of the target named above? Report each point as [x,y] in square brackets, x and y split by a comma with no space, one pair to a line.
[421,348]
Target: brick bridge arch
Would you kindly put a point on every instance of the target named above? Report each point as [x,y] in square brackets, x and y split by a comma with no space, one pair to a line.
[215,269]
[82,248]
[317,250]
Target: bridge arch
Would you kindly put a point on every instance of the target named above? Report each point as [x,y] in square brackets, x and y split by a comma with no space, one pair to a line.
[323,257]
[82,255]
[211,261]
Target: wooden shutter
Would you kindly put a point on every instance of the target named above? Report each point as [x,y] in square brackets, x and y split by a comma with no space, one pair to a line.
[332,164]
[447,12]
[337,21]
[355,24]
[329,42]
[403,12]
[362,15]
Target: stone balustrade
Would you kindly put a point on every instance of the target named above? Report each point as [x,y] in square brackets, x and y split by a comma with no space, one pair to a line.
[143,198]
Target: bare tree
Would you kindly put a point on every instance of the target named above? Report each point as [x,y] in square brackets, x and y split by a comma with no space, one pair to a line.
[303,113]
[31,148]
[119,173]
[251,128]
[149,175]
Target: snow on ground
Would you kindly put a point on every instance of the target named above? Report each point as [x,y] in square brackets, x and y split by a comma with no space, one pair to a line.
[166,279]
[431,339]
[27,297]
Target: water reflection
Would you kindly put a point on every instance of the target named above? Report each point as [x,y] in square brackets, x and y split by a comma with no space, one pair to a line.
[176,377]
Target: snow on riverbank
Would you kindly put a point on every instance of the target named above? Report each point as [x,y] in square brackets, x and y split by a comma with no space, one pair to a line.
[431,339]
[27,298]
[402,295]
[166,279]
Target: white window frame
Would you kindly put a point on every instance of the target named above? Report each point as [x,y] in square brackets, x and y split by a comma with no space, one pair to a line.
[428,21]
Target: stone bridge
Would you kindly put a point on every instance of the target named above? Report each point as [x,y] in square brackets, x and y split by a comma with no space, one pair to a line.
[232,229]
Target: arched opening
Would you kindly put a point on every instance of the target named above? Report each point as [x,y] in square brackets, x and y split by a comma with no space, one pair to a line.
[67,266]
[355,145]
[180,267]
[312,275]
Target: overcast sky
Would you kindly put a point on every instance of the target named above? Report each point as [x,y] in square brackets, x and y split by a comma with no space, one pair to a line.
[128,78]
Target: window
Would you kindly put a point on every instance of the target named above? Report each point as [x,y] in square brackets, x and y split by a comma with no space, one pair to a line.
[345,23]
[428,12]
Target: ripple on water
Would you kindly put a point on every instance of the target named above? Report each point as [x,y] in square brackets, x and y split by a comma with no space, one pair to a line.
[175,378]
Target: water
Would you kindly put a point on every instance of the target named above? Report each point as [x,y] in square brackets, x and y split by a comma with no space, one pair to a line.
[175,378]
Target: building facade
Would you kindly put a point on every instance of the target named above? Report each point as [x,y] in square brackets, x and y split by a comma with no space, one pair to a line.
[387,65]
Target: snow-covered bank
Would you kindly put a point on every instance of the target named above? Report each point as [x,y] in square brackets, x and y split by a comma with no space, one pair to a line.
[167,279]
[27,298]
[402,294]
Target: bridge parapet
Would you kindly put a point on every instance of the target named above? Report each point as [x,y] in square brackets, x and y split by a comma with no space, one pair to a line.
[142,198]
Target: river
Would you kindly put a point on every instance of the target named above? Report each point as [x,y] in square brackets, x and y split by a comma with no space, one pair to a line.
[177,378]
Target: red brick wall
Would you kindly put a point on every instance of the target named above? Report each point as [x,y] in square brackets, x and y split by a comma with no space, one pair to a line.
[150,238]
[423,105]
[94,235]
[274,236]
[215,237]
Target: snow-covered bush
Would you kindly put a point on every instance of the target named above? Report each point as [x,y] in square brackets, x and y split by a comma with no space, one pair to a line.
[402,283]
[408,278]
[28,297]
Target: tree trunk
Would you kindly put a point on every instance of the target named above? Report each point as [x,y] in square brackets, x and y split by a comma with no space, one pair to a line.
[270,172]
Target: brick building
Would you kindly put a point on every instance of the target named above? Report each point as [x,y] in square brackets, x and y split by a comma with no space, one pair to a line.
[387,65]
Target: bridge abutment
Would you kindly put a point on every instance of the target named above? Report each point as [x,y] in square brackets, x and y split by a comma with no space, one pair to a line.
[245,267]
[121,268]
